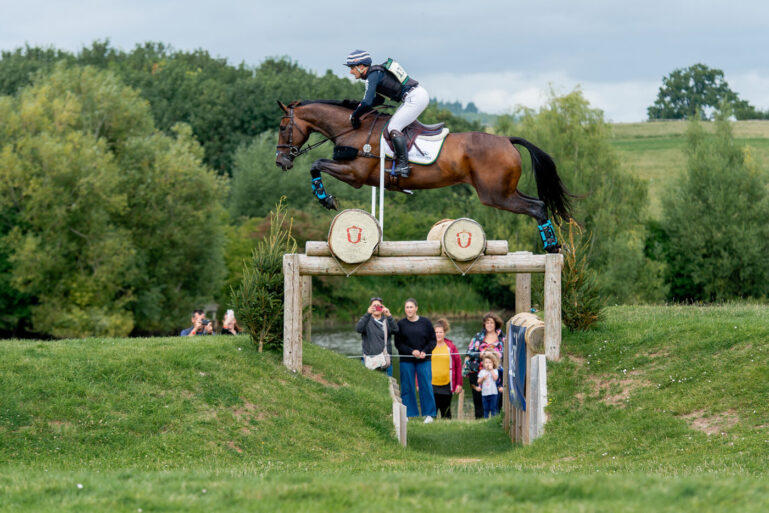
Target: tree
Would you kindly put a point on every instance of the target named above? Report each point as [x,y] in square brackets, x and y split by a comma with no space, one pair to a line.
[102,216]
[614,203]
[698,91]
[716,235]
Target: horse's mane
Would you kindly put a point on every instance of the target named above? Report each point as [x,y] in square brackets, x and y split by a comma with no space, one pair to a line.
[346,104]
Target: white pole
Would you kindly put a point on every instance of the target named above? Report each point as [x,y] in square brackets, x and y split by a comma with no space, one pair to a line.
[373,201]
[381,183]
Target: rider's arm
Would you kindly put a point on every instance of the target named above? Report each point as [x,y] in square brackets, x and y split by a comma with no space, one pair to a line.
[372,80]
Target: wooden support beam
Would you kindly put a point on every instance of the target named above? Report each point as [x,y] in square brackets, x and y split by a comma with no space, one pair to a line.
[377,266]
[292,314]
[307,307]
[553,265]
[405,248]
[522,292]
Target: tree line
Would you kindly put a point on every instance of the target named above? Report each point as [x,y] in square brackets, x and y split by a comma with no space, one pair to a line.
[135,184]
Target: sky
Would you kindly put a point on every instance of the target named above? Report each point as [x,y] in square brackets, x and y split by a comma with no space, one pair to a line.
[498,54]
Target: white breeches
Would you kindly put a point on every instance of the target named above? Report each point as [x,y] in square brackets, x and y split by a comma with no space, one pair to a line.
[414,103]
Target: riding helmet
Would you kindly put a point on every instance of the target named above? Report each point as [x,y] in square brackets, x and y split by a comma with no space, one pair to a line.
[358,57]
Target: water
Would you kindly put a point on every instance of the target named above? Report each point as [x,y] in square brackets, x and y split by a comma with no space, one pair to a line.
[345,340]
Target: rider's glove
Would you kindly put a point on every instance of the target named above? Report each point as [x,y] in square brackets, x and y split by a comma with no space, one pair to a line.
[354,121]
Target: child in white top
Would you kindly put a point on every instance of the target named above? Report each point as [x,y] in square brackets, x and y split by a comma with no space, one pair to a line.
[487,379]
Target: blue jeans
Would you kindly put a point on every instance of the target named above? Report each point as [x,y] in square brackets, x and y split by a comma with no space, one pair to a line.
[424,372]
[490,405]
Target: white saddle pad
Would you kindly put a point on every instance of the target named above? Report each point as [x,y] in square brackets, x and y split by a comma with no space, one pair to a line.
[425,150]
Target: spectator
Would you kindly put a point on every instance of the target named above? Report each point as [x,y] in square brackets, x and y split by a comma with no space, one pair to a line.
[415,341]
[230,324]
[200,325]
[487,380]
[490,337]
[446,369]
[371,328]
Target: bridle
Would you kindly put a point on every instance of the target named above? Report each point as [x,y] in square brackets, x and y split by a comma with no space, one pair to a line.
[294,150]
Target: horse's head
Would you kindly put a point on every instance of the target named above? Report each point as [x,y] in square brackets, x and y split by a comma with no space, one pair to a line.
[293,133]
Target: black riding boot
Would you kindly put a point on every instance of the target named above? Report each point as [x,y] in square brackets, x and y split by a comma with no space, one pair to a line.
[401,154]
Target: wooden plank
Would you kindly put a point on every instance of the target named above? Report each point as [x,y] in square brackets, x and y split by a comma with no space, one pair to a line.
[397,419]
[382,266]
[538,396]
[292,314]
[307,307]
[404,420]
[405,248]
[553,265]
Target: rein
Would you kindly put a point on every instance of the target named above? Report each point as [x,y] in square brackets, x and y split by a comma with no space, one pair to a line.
[295,151]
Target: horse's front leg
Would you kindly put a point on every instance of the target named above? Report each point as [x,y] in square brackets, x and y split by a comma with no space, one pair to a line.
[341,171]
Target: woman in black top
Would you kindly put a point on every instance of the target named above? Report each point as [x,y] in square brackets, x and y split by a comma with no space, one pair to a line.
[415,341]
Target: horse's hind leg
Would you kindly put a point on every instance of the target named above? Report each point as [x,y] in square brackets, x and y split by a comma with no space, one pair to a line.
[520,203]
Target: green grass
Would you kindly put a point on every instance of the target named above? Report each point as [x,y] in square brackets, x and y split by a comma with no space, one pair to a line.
[658,409]
[655,151]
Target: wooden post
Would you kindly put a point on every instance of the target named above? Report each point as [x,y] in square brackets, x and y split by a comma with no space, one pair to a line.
[292,313]
[461,404]
[553,265]
[307,307]
[522,292]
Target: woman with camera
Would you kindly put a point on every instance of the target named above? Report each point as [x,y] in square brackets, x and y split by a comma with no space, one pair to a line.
[372,326]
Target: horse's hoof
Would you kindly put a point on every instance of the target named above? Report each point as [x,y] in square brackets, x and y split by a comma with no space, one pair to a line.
[553,248]
[330,202]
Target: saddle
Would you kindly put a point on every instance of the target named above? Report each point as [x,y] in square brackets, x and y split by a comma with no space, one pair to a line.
[417,129]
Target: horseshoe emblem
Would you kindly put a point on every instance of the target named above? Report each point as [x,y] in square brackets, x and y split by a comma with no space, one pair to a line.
[464,238]
[354,232]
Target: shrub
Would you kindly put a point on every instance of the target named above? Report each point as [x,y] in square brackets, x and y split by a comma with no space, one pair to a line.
[258,301]
[582,304]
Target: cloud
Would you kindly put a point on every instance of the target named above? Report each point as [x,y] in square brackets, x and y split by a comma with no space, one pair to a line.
[500,93]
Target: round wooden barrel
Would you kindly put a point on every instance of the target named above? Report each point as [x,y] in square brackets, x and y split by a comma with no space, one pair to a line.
[436,232]
[463,239]
[535,330]
[353,236]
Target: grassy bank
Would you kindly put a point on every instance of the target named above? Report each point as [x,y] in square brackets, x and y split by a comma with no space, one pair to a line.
[660,408]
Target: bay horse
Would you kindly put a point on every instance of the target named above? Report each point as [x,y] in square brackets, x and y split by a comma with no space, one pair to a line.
[490,163]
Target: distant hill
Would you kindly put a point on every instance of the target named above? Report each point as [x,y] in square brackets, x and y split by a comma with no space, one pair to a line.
[655,151]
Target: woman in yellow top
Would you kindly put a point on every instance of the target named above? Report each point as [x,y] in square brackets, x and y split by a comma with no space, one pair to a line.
[447,369]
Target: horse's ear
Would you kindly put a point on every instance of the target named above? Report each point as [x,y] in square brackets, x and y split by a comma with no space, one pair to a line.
[285,109]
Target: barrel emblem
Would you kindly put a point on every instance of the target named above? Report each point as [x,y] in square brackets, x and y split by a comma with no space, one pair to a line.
[354,232]
[464,238]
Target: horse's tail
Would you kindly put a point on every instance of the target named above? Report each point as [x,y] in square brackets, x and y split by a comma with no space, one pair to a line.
[550,188]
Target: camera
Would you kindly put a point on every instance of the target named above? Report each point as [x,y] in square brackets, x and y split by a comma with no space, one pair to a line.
[378,308]
[205,322]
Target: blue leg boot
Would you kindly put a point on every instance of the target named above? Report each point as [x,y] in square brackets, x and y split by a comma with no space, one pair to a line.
[549,240]
[319,191]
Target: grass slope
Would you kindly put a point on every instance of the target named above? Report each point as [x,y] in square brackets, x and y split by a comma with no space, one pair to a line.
[655,151]
[660,408]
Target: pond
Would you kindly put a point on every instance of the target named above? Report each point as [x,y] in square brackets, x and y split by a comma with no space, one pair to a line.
[345,340]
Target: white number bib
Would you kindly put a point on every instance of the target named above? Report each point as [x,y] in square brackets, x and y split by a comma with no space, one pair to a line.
[397,70]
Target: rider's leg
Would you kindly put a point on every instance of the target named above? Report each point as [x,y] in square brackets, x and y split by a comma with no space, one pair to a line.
[401,154]
[414,103]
